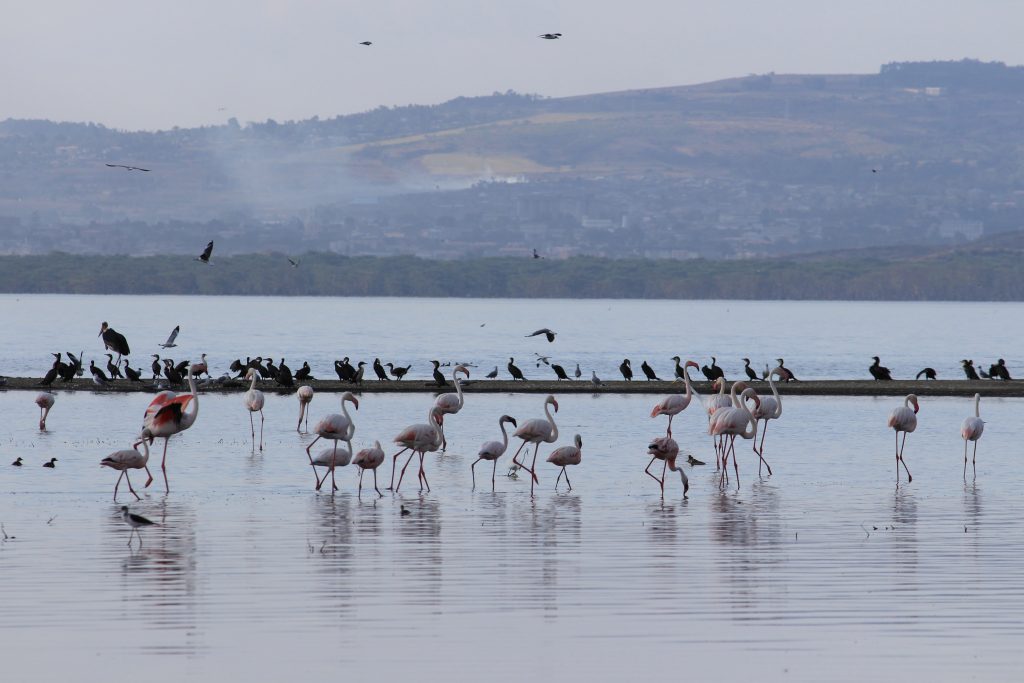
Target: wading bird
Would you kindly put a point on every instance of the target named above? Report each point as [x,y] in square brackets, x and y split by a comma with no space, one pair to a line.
[305,396]
[130,459]
[44,400]
[168,414]
[666,449]
[770,408]
[492,450]
[450,404]
[331,457]
[419,438]
[135,522]
[732,422]
[335,427]
[565,456]
[676,403]
[903,419]
[971,430]
[369,459]
[536,431]
[254,400]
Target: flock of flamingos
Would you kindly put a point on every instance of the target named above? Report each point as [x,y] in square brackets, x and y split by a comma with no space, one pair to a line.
[737,413]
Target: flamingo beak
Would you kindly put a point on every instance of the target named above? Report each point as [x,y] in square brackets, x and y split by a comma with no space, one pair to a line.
[691,364]
[555,403]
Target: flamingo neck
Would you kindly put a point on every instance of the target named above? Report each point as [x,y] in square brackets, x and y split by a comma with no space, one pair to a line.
[554,427]
[145,451]
[778,399]
[351,425]
[977,408]
[504,434]
[458,386]
[252,383]
[194,410]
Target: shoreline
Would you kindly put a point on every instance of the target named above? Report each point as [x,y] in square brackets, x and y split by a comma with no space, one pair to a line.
[987,388]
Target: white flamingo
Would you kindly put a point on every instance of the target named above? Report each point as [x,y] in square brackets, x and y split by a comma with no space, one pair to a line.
[419,438]
[254,400]
[732,422]
[369,459]
[335,427]
[667,449]
[305,396]
[331,457]
[130,459]
[714,403]
[492,450]
[971,430]
[676,403]
[168,414]
[565,456]
[770,408]
[903,419]
[450,403]
[536,431]
[44,400]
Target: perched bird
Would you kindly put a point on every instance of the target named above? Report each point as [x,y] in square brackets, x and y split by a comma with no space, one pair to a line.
[44,400]
[903,419]
[559,371]
[305,396]
[98,376]
[548,334]
[50,464]
[971,430]
[169,344]
[969,370]
[114,341]
[878,371]
[438,376]
[514,370]
[135,522]
[679,372]
[565,456]
[113,369]
[666,449]
[283,376]
[17,463]
[128,168]
[783,372]
[130,459]
[398,372]
[303,373]
[369,459]
[493,374]
[595,380]
[649,372]
[52,373]
[492,450]
[133,375]
[929,373]
[207,253]
[626,370]
[550,36]
[578,373]
[713,371]
[156,366]
[999,371]
[378,369]
[751,375]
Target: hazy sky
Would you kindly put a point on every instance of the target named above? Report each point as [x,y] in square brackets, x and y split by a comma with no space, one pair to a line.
[145,64]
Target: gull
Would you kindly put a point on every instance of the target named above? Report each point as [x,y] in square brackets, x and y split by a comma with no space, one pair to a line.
[493,373]
[595,380]
[546,332]
[550,36]
[129,168]
[207,253]
[169,344]
[295,264]
[134,521]
[578,373]
[546,360]
[367,43]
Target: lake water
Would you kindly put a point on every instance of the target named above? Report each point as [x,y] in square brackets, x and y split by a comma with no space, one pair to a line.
[826,570]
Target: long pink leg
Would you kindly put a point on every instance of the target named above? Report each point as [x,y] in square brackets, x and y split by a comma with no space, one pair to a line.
[494,472]
[670,425]
[334,459]
[909,477]
[965,462]
[400,476]
[661,482]
[736,465]
[760,452]
[261,430]
[375,483]
[533,466]
[118,482]
[129,480]
[567,477]
[515,460]
[361,480]
[150,480]
[472,469]
[974,460]
[163,466]
[393,461]
[559,478]
[423,472]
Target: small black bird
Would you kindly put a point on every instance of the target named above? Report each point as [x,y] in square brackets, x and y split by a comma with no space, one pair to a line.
[133,375]
[559,371]
[515,371]
[713,372]
[998,370]
[128,168]
[114,341]
[399,372]
[536,255]
[493,373]
[439,379]
[751,375]
[367,43]
[98,376]
[207,253]
[294,264]
[134,521]
[360,367]
[284,375]
[969,370]
[182,367]
[270,369]
[879,372]
[114,370]
[156,366]
[17,463]
[170,372]
[693,461]
[649,372]
[929,373]
[51,374]
[546,332]
[378,369]
[405,512]
[48,464]
[626,370]
[783,372]
[302,374]
[550,36]
[679,368]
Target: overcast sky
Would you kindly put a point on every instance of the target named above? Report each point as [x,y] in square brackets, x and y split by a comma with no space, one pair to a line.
[144,64]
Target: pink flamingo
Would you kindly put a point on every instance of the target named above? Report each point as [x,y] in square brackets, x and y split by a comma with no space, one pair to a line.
[536,431]
[770,408]
[732,422]
[130,459]
[331,458]
[971,430]
[254,400]
[565,456]
[335,427]
[903,419]
[167,415]
[450,403]
[369,459]
[419,438]
[665,448]
[305,396]
[492,450]
[714,403]
[44,400]
[676,403]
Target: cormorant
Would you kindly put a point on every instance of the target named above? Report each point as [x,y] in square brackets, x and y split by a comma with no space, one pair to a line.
[98,376]
[999,371]
[649,372]
[284,375]
[626,370]
[133,375]
[156,366]
[784,373]
[439,379]
[514,371]
[399,372]
[679,368]
[302,373]
[713,372]
[559,371]
[879,372]
[114,370]
[969,370]
[378,369]
[751,374]
[929,373]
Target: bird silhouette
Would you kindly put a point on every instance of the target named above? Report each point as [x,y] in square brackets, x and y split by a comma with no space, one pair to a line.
[207,253]
[550,36]
[129,168]
[169,344]
[549,334]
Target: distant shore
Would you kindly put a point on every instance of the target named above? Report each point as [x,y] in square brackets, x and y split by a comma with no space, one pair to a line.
[987,388]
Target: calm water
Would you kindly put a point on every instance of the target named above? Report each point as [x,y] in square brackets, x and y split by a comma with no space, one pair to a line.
[819,340]
[826,570]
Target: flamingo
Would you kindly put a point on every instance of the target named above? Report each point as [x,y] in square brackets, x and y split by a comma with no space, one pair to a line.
[665,448]
[535,431]
[130,459]
[369,459]
[903,419]
[335,427]
[419,438]
[732,422]
[254,402]
[331,458]
[305,396]
[492,450]
[565,456]
[971,430]
[676,403]
[770,408]
[717,401]
[449,403]
[44,400]
[166,416]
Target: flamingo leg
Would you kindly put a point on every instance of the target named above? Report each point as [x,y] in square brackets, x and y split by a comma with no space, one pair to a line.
[909,477]
[361,480]
[567,477]
[129,480]
[760,452]
[472,469]
[444,440]
[150,480]
[669,432]
[647,470]
[533,468]
[261,431]
[494,473]
[974,459]
[965,460]
[118,482]
[393,461]
[736,465]
[375,483]
[315,475]
[423,472]
[400,476]
[559,478]
[252,429]
[515,458]
[163,466]
[334,460]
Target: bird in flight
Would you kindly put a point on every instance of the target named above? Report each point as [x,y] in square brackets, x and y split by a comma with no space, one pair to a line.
[367,43]
[550,36]
[128,168]
[205,256]
[536,255]
[546,332]
[169,344]
[295,264]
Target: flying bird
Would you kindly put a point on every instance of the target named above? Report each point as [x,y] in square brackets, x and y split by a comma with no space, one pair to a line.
[205,256]
[367,43]
[128,168]
[169,344]
[295,264]
[550,36]
[546,332]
